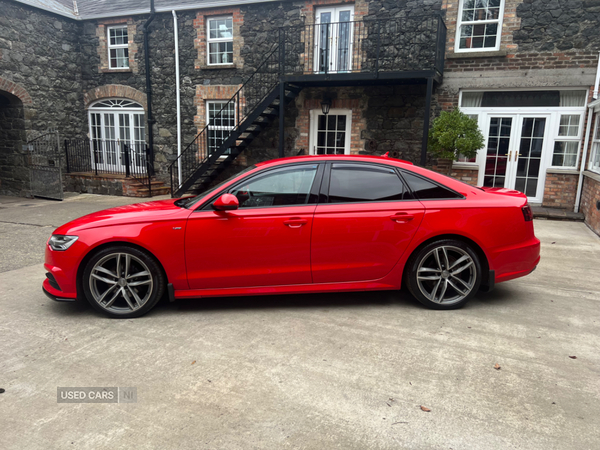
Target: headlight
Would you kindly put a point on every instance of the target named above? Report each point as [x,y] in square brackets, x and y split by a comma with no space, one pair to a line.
[60,243]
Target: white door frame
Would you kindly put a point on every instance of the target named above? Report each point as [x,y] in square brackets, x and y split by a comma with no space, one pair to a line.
[314,115]
[333,37]
[118,165]
[515,141]
[550,135]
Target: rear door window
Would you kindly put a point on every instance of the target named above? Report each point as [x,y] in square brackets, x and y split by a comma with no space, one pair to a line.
[425,189]
[350,183]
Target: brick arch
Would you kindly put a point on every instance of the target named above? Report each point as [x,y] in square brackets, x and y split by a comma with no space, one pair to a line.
[17,90]
[114,91]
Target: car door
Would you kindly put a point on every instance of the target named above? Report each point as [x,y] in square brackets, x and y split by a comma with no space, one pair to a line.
[363,226]
[266,242]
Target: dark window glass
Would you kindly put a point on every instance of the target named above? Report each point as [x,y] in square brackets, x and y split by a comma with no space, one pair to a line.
[284,187]
[428,190]
[362,183]
[520,98]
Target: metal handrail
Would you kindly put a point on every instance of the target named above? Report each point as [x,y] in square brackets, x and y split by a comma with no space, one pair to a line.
[246,98]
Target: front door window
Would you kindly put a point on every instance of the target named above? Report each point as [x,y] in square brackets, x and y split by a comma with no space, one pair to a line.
[333,39]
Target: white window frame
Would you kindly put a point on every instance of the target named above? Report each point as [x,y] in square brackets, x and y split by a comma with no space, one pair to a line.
[460,23]
[595,147]
[117,46]
[220,127]
[314,125]
[557,138]
[218,40]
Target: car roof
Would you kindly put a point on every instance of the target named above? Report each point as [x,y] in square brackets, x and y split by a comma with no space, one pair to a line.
[365,158]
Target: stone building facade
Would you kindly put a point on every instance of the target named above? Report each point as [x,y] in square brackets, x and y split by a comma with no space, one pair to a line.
[534,64]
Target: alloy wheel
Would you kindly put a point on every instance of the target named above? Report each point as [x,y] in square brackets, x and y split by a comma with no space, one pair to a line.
[446,275]
[121,283]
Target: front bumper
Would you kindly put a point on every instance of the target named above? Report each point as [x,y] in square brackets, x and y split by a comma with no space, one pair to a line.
[55,294]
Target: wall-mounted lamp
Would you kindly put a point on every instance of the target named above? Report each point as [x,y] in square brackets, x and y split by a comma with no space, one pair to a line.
[325,105]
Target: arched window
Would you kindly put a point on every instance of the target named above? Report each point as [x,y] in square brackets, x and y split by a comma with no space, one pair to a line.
[117,134]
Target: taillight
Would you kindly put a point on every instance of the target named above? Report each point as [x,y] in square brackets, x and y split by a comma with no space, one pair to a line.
[527,213]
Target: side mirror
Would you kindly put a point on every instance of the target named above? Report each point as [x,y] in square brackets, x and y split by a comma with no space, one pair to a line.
[226,202]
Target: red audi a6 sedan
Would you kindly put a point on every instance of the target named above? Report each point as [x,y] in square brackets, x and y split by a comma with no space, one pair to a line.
[299,225]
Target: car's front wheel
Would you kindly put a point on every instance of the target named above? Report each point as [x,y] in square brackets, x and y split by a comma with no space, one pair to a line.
[123,282]
[444,274]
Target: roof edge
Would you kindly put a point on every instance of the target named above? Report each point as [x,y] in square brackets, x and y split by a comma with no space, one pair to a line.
[65,12]
[52,7]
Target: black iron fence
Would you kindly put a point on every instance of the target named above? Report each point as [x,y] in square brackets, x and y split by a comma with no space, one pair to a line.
[109,157]
[366,46]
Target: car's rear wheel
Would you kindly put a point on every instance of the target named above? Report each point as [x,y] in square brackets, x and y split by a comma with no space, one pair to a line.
[123,282]
[444,274]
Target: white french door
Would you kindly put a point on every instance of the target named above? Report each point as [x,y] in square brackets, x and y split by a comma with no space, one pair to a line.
[330,133]
[117,136]
[516,145]
[333,39]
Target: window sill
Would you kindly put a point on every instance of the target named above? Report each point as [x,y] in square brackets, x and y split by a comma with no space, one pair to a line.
[216,66]
[465,165]
[466,55]
[563,171]
[128,70]
[593,175]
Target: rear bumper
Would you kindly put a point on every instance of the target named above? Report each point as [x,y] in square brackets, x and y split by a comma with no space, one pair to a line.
[517,261]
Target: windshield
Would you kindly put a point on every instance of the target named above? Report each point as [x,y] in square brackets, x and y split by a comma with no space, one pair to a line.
[188,202]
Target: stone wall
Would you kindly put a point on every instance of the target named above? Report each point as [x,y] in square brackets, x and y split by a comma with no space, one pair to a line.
[39,51]
[590,201]
[40,85]
[14,175]
[558,26]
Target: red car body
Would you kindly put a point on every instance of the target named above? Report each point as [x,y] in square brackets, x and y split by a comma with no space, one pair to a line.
[320,247]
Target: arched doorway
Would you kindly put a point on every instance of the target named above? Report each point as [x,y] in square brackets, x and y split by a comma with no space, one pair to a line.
[14,173]
[117,125]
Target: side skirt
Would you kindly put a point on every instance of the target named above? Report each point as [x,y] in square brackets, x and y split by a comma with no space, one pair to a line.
[292,289]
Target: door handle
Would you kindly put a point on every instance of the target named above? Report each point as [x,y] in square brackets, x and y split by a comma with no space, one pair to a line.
[295,222]
[402,217]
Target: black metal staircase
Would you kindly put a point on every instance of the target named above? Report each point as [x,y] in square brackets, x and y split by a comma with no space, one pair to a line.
[255,105]
[407,49]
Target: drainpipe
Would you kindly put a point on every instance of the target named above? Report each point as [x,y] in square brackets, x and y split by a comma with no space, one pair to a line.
[587,140]
[595,94]
[176,37]
[583,160]
[151,120]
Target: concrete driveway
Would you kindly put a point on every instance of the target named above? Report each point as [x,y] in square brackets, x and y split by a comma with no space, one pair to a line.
[337,371]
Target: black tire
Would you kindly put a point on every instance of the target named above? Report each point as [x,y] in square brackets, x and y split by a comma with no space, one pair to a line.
[450,274]
[123,282]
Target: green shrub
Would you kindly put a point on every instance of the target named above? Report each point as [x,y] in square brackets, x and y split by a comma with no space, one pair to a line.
[454,133]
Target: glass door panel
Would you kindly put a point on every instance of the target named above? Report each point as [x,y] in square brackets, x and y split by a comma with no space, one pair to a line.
[529,158]
[498,146]
[333,40]
[514,153]
[331,134]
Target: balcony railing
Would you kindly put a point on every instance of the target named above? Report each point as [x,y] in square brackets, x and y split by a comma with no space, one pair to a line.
[408,44]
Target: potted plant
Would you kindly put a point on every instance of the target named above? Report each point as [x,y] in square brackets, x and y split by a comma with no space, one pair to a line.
[452,134]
